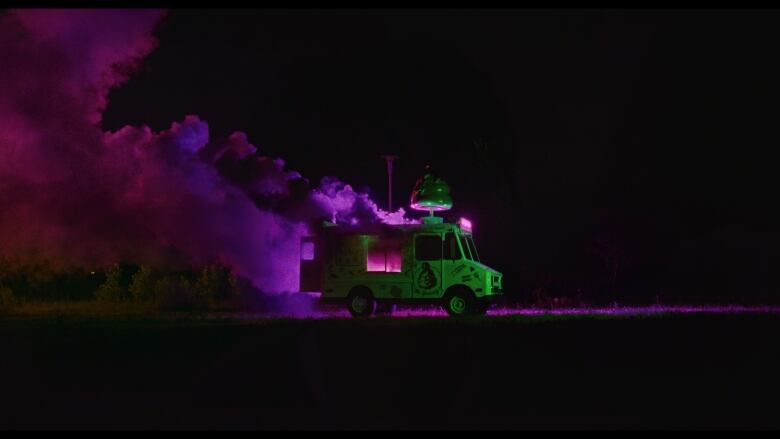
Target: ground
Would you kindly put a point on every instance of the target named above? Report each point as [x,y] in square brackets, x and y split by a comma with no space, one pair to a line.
[659,370]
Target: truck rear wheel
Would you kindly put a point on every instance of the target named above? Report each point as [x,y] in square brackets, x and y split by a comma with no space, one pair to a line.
[459,302]
[360,302]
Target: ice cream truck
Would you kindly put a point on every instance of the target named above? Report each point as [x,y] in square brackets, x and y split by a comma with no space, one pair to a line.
[368,267]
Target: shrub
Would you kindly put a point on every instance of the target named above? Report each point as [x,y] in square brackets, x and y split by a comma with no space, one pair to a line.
[111,290]
[175,294]
[7,298]
[207,286]
[142,285]
[215,282]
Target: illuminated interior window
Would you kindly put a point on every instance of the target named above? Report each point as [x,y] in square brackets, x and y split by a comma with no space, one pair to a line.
[375,259]
[307,251]
[383,257]
[393,257]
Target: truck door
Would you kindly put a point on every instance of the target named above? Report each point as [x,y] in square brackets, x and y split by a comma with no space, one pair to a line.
[311,266]
[427,282]
[452,265]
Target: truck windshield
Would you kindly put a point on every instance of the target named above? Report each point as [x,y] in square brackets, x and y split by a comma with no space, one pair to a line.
[473,248]
[468,247]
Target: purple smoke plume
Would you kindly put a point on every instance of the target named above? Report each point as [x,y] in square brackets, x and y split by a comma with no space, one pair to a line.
[74,195]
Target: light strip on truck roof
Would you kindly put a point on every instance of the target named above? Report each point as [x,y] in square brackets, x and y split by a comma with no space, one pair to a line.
[465,225]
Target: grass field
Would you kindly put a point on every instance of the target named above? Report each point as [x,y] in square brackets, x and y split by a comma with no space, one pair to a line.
[102,368]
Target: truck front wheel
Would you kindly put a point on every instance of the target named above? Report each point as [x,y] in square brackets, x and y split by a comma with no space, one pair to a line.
[459,302]
[360,302]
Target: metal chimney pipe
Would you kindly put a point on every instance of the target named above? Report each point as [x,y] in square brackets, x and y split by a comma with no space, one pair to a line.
[389,158]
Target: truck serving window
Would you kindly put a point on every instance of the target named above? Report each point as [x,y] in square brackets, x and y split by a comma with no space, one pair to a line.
[383,257]
[451,249]
[307,251]
[427,247]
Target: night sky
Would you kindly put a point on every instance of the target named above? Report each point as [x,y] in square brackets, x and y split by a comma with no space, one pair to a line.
[650,132]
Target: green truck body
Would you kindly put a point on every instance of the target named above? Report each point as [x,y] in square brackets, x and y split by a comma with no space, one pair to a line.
[380,264]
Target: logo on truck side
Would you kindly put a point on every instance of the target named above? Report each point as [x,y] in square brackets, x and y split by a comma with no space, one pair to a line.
[427,279]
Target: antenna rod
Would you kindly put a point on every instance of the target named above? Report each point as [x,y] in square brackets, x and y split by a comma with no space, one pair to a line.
[389,158]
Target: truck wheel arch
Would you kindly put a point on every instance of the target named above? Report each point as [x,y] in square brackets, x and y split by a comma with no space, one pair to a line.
[360,288]
[461,287]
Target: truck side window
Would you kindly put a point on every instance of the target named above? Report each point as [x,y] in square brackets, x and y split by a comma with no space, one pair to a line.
[427,247]
[307,251]
[451,250]
[376,259]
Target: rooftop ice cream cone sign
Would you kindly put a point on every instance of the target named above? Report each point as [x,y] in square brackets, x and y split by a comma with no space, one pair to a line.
[431,193]
[427,262]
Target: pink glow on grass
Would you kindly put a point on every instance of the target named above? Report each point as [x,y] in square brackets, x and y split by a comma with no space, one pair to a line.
[638,310]
[315,311]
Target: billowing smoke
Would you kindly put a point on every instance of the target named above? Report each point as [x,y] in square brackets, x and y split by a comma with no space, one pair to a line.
[74,195]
